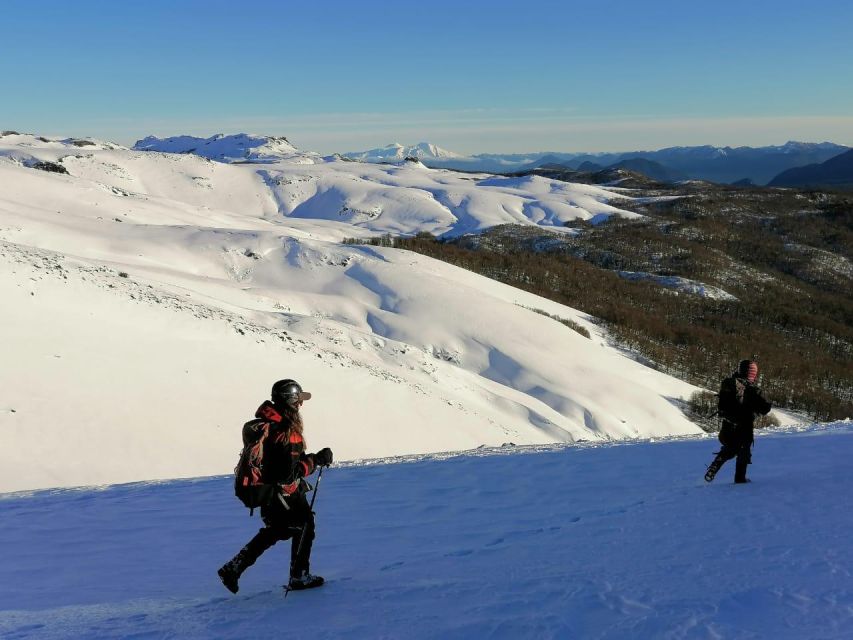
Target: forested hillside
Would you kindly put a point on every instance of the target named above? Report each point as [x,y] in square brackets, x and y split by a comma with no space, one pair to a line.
[710,275]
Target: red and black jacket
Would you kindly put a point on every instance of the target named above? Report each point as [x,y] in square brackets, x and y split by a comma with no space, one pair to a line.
[285,461]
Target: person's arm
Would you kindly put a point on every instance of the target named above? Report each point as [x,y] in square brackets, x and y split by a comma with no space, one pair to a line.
[303,465]
[725,399]
[306,463]
[760,404]
[297,464]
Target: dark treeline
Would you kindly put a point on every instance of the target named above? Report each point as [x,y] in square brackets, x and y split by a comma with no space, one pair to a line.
[793,314]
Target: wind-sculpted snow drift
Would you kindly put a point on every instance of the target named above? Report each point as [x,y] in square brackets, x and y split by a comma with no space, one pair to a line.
[151,298]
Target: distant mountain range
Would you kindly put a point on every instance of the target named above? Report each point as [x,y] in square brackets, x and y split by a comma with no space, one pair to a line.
[436,157]
[650,168]
[716,164]
[612,176]
[791,164]
[835,173]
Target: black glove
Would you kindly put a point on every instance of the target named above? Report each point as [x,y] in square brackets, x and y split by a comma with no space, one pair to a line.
[323,458]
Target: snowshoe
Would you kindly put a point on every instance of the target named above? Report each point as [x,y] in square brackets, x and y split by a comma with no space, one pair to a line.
[713,468]
[305,581]
[229,576]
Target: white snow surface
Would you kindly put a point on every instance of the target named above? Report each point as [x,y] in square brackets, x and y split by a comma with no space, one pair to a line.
[150,299]
[597,541]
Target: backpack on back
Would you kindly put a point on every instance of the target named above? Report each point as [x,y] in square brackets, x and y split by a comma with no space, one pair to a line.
[728,403]
[729,407]
[249,486]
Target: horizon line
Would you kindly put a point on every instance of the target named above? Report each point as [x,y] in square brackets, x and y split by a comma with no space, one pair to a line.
[248,132]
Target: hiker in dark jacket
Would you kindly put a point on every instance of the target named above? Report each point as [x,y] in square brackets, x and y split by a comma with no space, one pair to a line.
[287,513]
[740,401]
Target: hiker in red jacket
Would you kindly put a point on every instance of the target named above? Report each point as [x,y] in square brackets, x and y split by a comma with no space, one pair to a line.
[285,512]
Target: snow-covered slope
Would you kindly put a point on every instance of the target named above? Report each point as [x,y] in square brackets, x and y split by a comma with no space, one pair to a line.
[606,542]
[678,283]
[401,199]
[150,299]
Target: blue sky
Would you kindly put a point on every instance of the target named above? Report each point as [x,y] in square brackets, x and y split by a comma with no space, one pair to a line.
[471,76]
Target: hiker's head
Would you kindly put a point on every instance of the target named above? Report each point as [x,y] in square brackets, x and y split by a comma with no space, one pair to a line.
[748,369]
[288,393]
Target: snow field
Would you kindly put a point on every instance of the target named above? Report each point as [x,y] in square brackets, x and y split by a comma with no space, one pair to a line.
[596,541]
[150,322]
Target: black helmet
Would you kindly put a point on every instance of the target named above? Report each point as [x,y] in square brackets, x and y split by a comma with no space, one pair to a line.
[288,392]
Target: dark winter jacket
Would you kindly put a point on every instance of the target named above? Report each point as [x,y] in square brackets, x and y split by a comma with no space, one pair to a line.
[740,401]
[285,460]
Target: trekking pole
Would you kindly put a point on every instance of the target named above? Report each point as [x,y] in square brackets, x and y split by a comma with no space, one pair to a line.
[305,526]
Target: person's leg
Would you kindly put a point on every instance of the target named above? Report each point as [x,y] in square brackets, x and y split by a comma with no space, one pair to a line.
[301,543]
[725,453]
[231,571]
[744,457]
[300,550]
[272,531]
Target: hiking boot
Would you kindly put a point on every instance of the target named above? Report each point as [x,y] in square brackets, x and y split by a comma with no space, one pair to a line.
[305,581]
[229,575]
[713,468]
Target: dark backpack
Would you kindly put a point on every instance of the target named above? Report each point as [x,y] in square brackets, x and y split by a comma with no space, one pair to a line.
[729,407]
[249,486]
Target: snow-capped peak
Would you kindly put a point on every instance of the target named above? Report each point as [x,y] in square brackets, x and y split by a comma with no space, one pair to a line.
[396,152]
[226,148]
[795,146]
[429,150]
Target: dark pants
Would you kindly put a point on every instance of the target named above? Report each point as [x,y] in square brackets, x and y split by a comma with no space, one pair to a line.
[281,524]
[740,447]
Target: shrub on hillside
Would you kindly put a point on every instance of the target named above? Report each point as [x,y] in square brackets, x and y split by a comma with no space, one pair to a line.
[571,324]
[763,422]
[52,167]
[702,409]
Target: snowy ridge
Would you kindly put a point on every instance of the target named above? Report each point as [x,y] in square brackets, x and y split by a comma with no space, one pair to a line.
[603,541]
[27,150]
[230,148]
[154,297]
[403,199]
